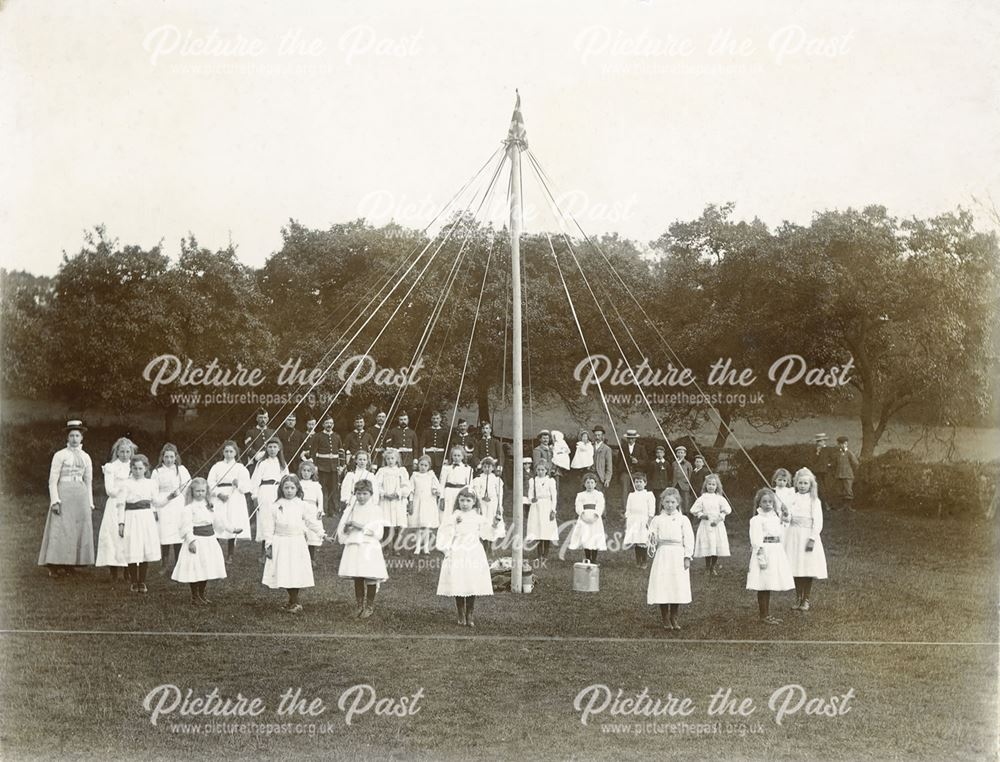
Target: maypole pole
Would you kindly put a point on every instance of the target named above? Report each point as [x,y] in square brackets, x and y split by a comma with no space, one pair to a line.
[516,142]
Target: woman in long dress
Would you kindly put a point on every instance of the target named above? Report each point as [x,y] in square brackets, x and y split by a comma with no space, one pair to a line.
[110,547]
[68,539]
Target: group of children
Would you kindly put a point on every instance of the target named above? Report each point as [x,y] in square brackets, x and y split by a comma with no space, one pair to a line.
[153,513]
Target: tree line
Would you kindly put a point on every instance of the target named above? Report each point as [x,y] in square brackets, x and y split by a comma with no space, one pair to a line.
[909,303]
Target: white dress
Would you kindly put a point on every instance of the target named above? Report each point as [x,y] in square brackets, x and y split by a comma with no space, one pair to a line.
[560,451]
[784,495]
[141,543]
[457,477]
[351,478]
[199,525]
[540,525]
[232,481]
[588,531]
[465,569]
[584,456]
[284,530]
[639,510]
[169,515]
[806,523]
[766,535]
[312,494]
[424,492]
[669,581]
[111,547]
[362,556]
[264,489]
[711,541]
[393,480]
[489,489]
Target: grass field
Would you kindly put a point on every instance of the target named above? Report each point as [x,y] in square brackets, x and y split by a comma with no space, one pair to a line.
[908,621]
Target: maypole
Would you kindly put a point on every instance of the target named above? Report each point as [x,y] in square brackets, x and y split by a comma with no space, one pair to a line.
[516,142]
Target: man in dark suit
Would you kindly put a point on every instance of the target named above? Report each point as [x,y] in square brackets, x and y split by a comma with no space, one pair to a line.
[822,463]
[404,439]
[603,459]
[254,440]
[634,458]
[846,466]
[432,442]
[326,450]
[291,442]
[487,446]
[359,440]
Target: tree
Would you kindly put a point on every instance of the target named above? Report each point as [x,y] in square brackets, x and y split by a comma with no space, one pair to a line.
[24,303]
[912,303]
[116,309]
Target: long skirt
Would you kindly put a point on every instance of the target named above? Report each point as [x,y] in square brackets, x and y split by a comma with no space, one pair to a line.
[69,537]
[539,526]
[204,564]
[802,562]
[777,575]
[711,541]
[465,571]
[110,547]
[169,521]
[669,581]
[142,539]
[289,565]
[232,514]
[364,560]
[426,514]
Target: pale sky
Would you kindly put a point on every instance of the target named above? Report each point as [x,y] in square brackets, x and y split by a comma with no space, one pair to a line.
[159,118]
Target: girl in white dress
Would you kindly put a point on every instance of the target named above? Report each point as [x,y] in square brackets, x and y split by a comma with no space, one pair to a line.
[583,457]
[769,569]
[783,491]
[541,495]
[465,571]
[228,481]
[710,510]
[393,484]
[359,472]
[803,544]
[360,532]
[312,493]
[110,548]
[264,485]
[171,480]
[283,528]
[489,489]
[455,476]
[201,559]
[422,513]
[670,577]
[639,511]
[138,502]
[588,531]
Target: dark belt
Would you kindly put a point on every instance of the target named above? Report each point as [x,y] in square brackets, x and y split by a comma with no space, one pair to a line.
[205,530]
[224,484]
[772,539]
[268,482]
[449,485]
[139,505]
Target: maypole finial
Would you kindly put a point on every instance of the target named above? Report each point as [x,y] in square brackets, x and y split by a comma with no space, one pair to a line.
[517,134]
